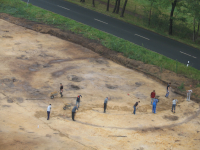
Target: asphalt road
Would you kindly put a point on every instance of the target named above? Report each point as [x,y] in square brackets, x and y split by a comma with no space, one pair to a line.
[150,40]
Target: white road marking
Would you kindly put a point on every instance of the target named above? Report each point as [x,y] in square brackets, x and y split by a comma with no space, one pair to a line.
[187,54]
[100,21]
[63,7]
[142,37]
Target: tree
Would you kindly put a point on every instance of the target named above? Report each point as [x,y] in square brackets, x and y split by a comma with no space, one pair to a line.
[171,16]
[192,8]
[93,3]
[123,10]
[152,2]
[108,4]
[116,2]
[118,6]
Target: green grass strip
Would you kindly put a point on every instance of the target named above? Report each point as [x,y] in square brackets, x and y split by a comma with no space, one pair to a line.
[17,8]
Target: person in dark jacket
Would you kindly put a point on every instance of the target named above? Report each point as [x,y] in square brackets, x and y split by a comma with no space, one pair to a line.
[135,106]
[61,90]
[168,86]
[74,112]
[78,100]
[105,104]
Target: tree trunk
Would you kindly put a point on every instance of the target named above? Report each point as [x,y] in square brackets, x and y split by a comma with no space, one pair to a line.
[171,15]
[150,14]
[108,3]
[115,6]
[93,3]
[198,30]
[123,10]
[194,30]
[118,6]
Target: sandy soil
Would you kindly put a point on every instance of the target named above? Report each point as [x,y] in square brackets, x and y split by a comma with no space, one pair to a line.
[34,64]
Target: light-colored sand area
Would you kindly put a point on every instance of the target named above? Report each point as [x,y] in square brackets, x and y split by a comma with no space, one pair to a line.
[34,64]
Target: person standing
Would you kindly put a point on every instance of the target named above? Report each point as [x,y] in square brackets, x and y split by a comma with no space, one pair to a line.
[78,100]
[189,92]
[153,94]
[48,111]
[168,86]
[135,106]
[105,104]
[154,105]
[61,90]
[174,101]
[74,112]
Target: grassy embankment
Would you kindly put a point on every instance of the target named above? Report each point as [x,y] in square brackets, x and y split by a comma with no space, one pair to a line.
[182,32]
[19,9]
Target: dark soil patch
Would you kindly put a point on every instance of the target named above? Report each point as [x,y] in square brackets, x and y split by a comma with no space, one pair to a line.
[188,113]
[10,101]
[47,65]
[138,84]
[5,105]
[101,61]
[111,86]
[59,60]
[44,55]
[94,45]
[74,78]
[74,87]
[7,36]
[47,135]
[140,96]
[171,118]
[61,72]
[34,67]
[22,57]
[19,99]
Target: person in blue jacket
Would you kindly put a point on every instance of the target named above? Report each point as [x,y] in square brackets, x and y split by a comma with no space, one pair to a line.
[154,105]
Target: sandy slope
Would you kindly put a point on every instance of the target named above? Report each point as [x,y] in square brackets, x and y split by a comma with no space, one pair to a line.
[32,66]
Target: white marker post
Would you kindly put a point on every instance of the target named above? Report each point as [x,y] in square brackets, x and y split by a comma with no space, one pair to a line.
[188,63]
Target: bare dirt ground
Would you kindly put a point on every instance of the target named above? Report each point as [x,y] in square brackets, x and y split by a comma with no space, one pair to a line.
[34,64]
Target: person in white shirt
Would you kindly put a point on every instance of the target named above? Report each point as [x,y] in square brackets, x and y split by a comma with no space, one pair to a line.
[48,111]
[188,94]
[174,101]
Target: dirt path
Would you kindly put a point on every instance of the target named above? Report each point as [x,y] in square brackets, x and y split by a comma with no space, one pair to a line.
[34,64]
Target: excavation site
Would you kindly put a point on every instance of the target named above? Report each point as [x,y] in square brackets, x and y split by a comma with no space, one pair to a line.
[34,64]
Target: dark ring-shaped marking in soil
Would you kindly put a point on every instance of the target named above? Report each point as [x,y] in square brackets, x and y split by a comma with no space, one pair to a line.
[143,128]
[109,113]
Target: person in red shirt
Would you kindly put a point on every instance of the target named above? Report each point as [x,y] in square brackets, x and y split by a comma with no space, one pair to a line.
[153,95]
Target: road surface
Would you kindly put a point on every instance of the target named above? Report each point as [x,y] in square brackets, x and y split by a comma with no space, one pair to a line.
[150,40]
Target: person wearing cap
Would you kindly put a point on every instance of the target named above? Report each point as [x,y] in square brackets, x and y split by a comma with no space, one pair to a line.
[135,106]
[74,112]
[61,90]
[105,104]
[174,101]
[78,100]
[48,111]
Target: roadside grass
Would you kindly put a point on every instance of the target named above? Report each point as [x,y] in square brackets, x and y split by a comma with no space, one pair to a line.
[182,32]
[19,9]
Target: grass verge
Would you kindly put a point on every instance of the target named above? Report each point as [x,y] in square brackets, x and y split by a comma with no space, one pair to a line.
[19,9]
